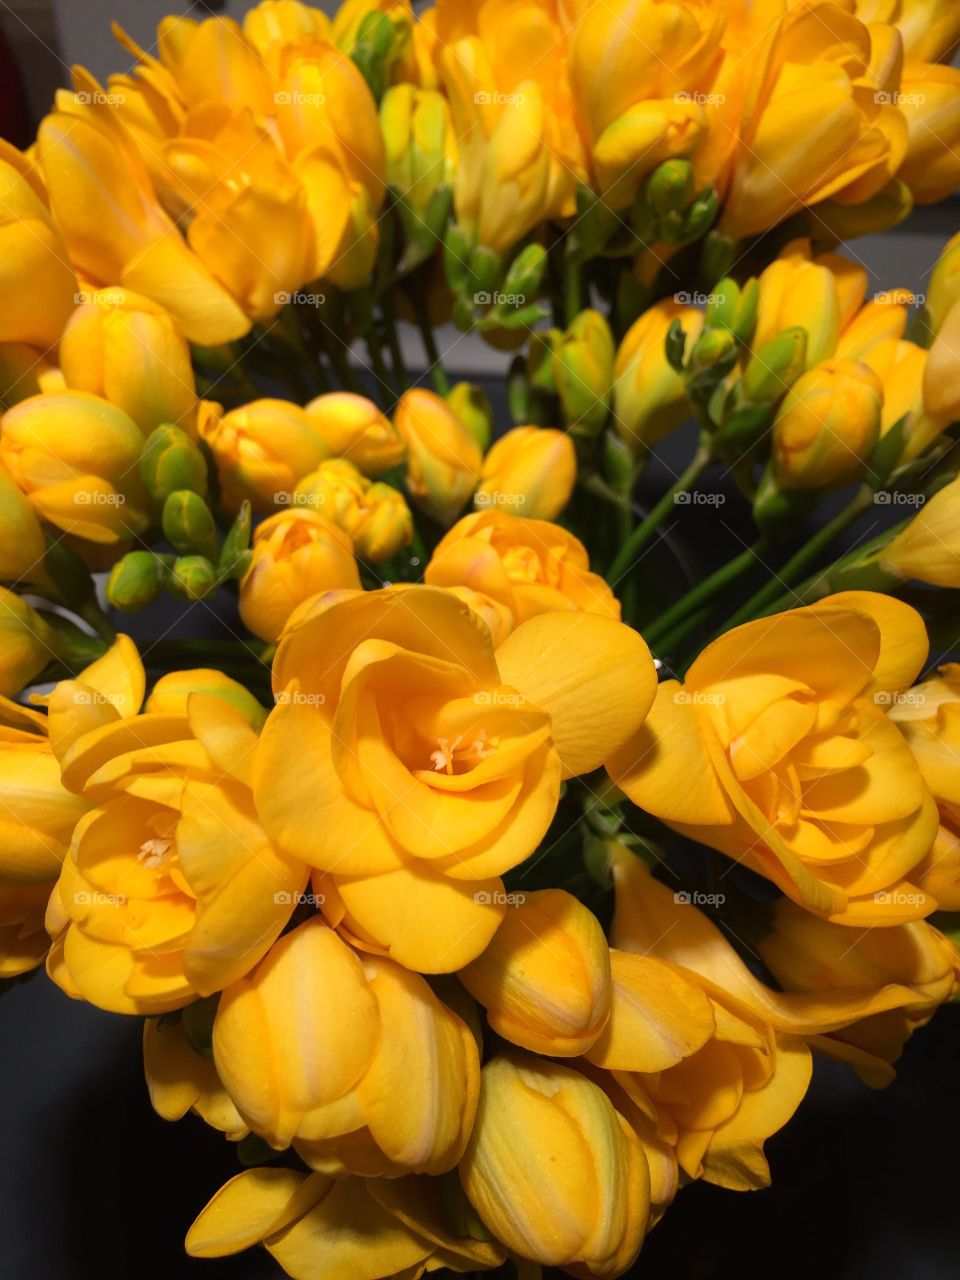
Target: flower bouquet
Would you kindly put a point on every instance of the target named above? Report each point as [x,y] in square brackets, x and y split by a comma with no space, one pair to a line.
[485,857]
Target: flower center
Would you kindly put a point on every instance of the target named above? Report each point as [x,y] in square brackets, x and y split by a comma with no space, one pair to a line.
[153,853]
[456,751]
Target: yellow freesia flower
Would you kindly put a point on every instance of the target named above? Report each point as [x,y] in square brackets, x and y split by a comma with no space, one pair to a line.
[528,566]
[531,469]
[352,1228]
[544,980]
[128,350]
[76,458]
[930,101]
[192,893]
[22,546]
[262,450]
[777,750]
[25,643]
[296,554]
[649,400]
[809,955]
[818,120]
[638,70]
[180,1080]
[827,426]
[443,459]
[375,515]
[930,28]
[427,765]
[354,1087]
[553,1170]
[354,428]
[928,549]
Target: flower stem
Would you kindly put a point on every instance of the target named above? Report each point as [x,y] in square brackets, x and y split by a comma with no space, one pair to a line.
[627,556]
[703,593]
[400,375]
[805,557]
[572,289]
[436,370]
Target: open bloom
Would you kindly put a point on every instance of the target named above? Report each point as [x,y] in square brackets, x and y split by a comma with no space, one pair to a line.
[778,751]
[553,1170]
[413,765]
[381,1078]
[170,889]
[528,566]
[350,1228]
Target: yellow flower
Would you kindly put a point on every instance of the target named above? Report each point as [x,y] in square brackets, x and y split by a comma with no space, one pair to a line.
[928,549]
[930,100]
[355,1087]
[129,351]
[544,980]
[582,368]
[22,546]
[375,515]
[171,694]
[719,1104]
[637,68]
[262,450]
[427,765]
[818,294]
[421,156]
[37,284]
[180,1079]
[25,643]
[170,889]
[529,566]
[76,458]
[274,26]
[23,937]
[296,554]
[348,1228]
[532,469]
[941,385]
[116,233]
[443,458]
[354,428]
[827,426]
[554,1171]
[930,28]
[648,394]
[809,955]
[818,121]
[777,750]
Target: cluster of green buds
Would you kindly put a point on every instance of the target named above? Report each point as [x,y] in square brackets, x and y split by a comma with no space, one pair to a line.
[376,44]
[421,154]
[174,473]
[500,304]
[566,377]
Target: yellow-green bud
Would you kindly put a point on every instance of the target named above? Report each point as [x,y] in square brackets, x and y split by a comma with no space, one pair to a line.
[170,460]
[670,187]
[192,577]
[772,371]
[582,368]
[134,581]
[525,273]
[713,347]
[474,410]
[188,524]
[734,308]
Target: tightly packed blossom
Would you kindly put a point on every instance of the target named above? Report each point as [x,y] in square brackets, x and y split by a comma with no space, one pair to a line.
[486,857]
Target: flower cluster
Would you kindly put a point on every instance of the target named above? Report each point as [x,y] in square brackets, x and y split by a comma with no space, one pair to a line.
[486,884]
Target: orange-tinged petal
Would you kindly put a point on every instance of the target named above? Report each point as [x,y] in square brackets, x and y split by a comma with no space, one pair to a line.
[904,645]
[246,1209]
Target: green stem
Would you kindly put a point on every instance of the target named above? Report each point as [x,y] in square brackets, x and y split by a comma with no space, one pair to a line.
[627,555]
[805,557]
[380,371]
[91,612]
[668,642]
[400,375]
[704,592]
[437,373]
[573,289]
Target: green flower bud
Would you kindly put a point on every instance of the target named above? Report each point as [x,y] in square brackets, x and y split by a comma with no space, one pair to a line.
[457,248]
[235,553]
[134,581]
[716,256]
[169,461]
[582,369]
[525,273]
[485,268]
[772,371]
[670,187]
[192,577]
[188,524]
[474,410]
[734,308]
[714,347]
